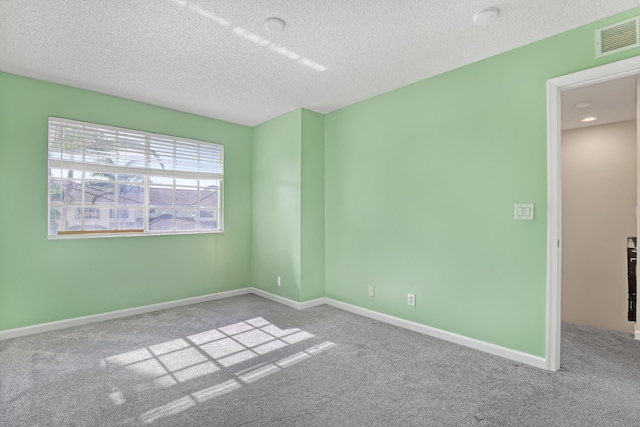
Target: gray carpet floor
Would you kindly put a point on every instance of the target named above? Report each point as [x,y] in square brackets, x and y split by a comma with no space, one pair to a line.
[248,361]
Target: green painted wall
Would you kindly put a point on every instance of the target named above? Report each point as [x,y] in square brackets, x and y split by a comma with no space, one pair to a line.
[42,280]
[288,205]
[420,189]
[312,206]
[276,205]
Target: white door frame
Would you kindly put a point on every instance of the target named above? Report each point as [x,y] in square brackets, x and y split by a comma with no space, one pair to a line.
[615,70]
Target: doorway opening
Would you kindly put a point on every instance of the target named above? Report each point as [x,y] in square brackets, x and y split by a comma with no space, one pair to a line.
[555,87]
[599,193]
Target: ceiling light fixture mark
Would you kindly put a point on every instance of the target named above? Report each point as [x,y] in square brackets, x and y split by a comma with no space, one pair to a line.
[274,25]
[485,17]
[583,104]
[589,119]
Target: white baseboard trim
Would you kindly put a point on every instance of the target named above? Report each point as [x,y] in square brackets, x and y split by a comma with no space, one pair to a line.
[289,302]
[507,353]
[77,321]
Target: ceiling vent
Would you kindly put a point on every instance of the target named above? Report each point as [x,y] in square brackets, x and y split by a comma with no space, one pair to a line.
[618,37]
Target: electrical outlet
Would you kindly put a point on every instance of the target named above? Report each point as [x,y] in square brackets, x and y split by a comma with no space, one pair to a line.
[372,291]
[279,281]
[411,300]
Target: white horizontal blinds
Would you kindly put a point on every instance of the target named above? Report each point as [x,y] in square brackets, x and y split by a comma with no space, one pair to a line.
[185,156]
[86,146]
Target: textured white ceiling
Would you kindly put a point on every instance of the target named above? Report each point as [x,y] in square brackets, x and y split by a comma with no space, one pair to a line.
[215,58]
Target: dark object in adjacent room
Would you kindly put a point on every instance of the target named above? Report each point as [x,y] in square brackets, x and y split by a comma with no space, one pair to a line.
[632,256]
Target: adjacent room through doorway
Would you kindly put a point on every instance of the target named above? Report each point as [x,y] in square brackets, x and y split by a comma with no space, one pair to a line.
[556,88]
[599,198]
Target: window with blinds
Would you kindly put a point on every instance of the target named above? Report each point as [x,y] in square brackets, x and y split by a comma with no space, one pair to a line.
[106,181]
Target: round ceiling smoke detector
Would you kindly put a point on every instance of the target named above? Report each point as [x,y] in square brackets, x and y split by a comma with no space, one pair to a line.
[485,17]
[274,25]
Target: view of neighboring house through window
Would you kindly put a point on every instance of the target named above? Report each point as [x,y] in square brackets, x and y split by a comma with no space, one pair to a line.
[105,180]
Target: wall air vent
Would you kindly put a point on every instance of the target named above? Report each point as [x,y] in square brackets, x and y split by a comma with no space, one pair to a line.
[618,37]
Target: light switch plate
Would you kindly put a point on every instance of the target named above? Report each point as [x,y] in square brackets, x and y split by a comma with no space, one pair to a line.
[524,211]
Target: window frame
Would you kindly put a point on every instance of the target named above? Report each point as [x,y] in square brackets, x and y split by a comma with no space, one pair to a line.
[211,175]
